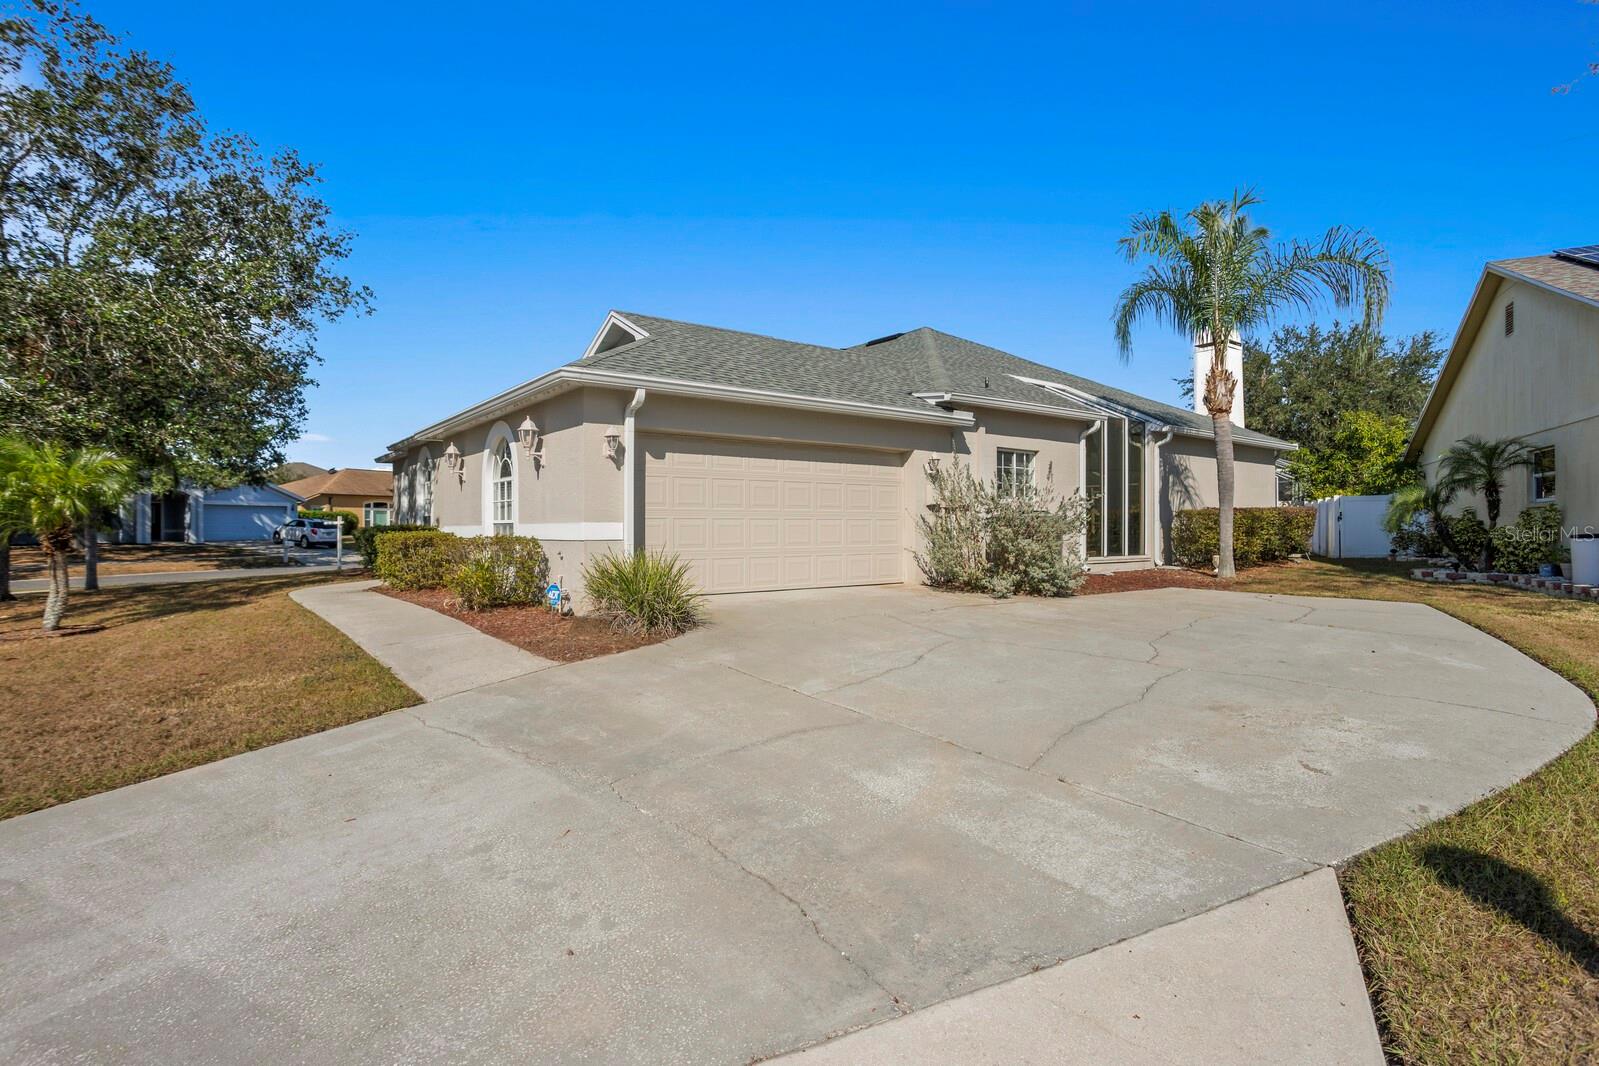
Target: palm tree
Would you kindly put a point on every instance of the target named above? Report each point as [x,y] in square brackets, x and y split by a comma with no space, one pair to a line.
[1477,465]
[1217,275]
[51,491]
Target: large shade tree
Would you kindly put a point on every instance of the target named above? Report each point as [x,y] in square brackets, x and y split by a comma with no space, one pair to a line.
[161,285]
[1214,273]
[51,491]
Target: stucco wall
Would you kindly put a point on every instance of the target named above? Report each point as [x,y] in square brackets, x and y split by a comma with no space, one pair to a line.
[1541,383]
[573,501]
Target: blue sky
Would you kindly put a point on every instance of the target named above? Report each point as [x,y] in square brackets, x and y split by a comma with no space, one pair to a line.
[832,174]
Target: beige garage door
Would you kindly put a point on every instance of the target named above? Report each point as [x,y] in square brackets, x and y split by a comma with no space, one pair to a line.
[752,515]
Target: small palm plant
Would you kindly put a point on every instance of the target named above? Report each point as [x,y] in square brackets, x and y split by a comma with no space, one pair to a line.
[1481,466]
[1216,274]
[51,492]
[1431,502]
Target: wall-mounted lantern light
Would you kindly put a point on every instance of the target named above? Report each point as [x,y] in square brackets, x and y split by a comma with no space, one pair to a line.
[454,463]
[932,466]
[613,442]
[532,445]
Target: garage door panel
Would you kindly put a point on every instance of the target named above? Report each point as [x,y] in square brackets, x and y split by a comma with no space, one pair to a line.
[751,515]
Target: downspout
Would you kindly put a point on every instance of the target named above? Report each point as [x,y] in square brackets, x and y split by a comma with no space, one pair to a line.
[1157,482]
[629,475]
[1082,476]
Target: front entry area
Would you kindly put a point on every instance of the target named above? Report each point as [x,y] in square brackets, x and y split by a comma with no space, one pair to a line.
[751,515]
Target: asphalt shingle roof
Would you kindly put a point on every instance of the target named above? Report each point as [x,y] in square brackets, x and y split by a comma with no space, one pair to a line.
[884,372]
[1575,278]
[351,481]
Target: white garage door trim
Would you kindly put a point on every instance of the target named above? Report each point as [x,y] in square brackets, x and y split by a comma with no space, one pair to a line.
[751,515]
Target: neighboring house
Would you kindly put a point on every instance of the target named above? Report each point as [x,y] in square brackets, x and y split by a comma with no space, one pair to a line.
[368,493]
[1525,363]
[770,464]
[197,516]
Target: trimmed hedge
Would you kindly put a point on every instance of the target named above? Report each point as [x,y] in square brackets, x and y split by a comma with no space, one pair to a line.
[497,571]
[1260,535]
[479,572]
[366,539]
[416,559]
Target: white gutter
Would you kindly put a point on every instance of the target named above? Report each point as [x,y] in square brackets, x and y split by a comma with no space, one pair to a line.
[629,476]
[1159,553]
[573,376]
[1083,413]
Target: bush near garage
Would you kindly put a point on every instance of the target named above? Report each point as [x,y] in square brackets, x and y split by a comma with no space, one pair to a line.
[349,519]
[1001,540]
[419,559]
[646,592]
[1260,535]
[498,571]
[366,538]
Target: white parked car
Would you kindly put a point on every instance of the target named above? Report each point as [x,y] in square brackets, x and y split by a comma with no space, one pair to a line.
[307,532]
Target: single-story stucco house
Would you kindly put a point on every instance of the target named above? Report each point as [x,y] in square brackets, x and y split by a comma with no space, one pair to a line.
[366,493]
[773,464]
[194,515]
[1525,363]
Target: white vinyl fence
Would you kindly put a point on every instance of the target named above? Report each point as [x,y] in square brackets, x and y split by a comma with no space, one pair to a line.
[1350,527]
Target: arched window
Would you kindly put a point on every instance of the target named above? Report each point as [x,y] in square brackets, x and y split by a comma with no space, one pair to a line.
[423,489]
[503,488]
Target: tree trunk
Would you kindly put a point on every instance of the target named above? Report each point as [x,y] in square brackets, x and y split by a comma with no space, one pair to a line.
[91,556]
[55,604]
[5,568]
[1224,495]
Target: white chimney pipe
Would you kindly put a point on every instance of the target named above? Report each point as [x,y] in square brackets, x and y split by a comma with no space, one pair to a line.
[1234,360]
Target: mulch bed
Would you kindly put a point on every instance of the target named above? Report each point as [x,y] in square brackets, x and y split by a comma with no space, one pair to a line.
[1162,578]
[539,630]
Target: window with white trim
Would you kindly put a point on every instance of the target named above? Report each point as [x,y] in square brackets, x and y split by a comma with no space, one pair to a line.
[375,513]
[504,489]
[1013,471]
[1543,474]
[424,489]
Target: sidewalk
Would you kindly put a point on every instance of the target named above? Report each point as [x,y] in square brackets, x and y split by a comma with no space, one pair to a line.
[435,654]
[1270,978]
[186,577]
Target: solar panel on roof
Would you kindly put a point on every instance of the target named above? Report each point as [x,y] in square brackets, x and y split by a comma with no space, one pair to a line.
[1587,254]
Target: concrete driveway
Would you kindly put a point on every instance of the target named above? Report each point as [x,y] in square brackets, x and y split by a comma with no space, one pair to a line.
[821,811]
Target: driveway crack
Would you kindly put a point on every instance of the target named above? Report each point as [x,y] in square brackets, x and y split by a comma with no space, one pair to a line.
[1143,695]
[898,1004]
[890,670]
[716,849]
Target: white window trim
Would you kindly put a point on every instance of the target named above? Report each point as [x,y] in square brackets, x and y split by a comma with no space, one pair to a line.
[1537,490]
[423,478]
[498,433]
[1031,464]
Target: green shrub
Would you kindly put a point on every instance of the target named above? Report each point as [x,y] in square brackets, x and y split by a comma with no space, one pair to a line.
[1530,541]
[348,519]
[646,592]
[420,559]
[497,571]
[366,539]
[1019,539]
[1260,535]
[1418,538]
[1470,536]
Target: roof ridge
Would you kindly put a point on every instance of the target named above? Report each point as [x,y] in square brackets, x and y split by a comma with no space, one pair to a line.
[725,329]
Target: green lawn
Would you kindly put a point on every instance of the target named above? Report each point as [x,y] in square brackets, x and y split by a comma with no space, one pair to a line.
[1480,933]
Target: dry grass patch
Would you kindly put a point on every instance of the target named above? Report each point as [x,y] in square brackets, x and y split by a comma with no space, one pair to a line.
[180,675]
[1480,933]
